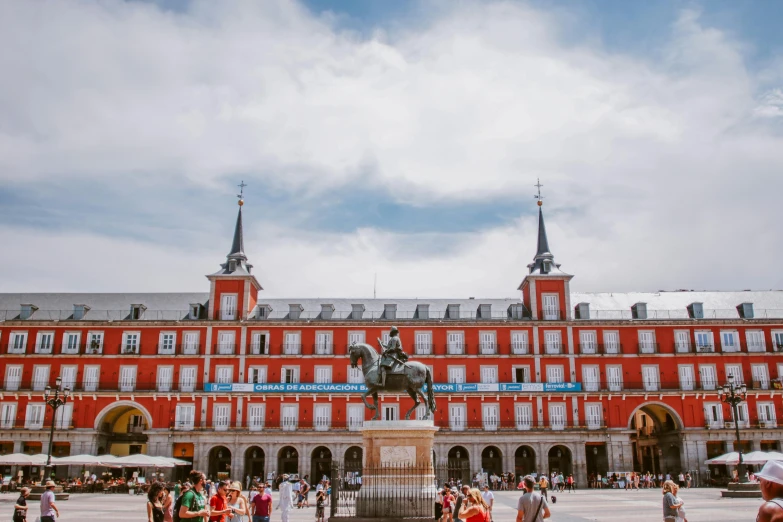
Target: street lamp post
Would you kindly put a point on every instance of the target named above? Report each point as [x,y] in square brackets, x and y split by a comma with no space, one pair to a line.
[54,401]
[735,394]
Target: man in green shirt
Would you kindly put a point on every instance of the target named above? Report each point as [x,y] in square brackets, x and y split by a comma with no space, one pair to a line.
[194,502]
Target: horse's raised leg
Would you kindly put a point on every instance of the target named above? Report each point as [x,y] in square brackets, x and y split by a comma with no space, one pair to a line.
[413,395]
[424,401]
[364,398]
[375,400]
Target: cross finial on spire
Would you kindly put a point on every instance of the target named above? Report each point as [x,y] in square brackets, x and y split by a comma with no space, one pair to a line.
[539,197]
[241,195]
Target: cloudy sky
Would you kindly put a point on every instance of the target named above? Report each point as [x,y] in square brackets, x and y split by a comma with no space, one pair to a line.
[401,139]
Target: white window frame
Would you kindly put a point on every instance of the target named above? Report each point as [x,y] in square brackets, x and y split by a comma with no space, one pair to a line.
[88,383]
[14,343]
[97,337]
[613,383]
[357,337]
[34,416]
[777,340]
[188,347]
[229,308]
[455,344]
[322,416]
[324,342]
[41,377]
[647,341]
[555,373]
[64,416]
[708,377]
[687,377]
[284,370]
[729,341]
[167,343]
[682,341]
[184,378]
[591,377]
[226,342]
[553,342]
[523,415]
[165,378]
[423,344]
[355,375]
[322,374]
[489,374]
[766,414]
[189,421]
[8,415]
[737,371]
[257,374]
[525,369]
[221,416]
[355,417]
[588,342]
[520,342]
[760,376]
[69,381]
[131,342]
[289,416]
[490,416]
[611,341]
[705,341]
[456,374]
[558,415]
[593,415]
[67,346]
[256,415]
[458,422]
[651,377]
[13,382]
[713,415]
[488,344]
[127,378]
[292,342]
[550,307]
[224,373]
[44,347]
[755,341]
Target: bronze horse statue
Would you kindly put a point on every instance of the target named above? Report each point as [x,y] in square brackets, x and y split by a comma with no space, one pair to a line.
[412,379]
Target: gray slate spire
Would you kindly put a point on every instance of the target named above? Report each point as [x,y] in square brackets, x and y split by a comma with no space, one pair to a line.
[238,246]
[236,261]
[544,262]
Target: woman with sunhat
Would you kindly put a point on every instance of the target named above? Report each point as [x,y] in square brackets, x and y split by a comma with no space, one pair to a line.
[237,502]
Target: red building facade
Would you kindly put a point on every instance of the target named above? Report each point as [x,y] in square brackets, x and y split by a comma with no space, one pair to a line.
[240,384]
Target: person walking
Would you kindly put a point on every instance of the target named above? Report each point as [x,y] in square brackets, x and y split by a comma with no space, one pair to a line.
[448,505]
[489,500]
[218,504]
[681,509]
[21,507]
[771,482]
[670,504]
[473,508]
[237,503]
[155,503]
[531,506]
[261,506]
[543,486]
[194,503]
[168,505]
[284,503]
[49,509]
[320,500]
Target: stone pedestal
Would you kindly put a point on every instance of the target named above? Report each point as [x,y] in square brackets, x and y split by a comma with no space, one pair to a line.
[37,491]
[398,479]
[745,490]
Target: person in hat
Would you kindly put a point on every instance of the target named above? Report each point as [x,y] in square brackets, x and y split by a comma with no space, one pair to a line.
[771,479]
[285,504]
[21,507]
[392,354]
[48,507]
[237,503]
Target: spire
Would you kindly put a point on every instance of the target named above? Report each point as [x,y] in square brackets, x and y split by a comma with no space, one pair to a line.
[544,262]
[236,260]
[238,246]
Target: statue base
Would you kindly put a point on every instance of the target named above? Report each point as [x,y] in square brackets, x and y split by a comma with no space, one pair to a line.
[398,478]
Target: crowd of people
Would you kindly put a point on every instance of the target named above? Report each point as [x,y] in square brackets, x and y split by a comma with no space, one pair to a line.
[634,480]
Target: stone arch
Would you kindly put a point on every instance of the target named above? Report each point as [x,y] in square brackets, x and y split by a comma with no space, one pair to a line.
[459,464]
[352,458]
[650,406]
[255,462]
[288,460]
[219,462]
[560,458]
[126,405]
[320,464]
[525,460]
[492,460]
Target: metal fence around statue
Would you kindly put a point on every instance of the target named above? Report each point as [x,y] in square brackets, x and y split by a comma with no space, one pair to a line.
[399,489]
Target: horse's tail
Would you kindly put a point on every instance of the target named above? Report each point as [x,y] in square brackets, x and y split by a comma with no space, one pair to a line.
[430,392]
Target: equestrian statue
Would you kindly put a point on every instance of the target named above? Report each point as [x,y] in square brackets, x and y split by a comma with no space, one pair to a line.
[391,372]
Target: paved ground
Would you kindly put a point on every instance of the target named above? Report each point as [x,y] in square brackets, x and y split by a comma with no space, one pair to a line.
[591,505]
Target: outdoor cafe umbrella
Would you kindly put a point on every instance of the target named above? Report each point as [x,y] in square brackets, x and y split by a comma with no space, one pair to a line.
[175,461]
[142,461]
[22,459]
[86,460]
[730,459]
[761,457]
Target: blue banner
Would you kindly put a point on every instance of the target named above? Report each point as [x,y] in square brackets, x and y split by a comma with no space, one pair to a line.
[562,387]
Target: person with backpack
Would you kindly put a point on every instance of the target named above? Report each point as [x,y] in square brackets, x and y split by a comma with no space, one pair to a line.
[178,503]
[194,502]
[531,506]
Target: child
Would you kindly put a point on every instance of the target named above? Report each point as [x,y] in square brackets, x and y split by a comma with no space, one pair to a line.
[320,499]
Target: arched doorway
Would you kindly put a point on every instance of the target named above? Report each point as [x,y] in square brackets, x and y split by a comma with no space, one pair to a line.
[524,461]
[492,461]
[352,461]
[219,463]
[656,440]
[560,460]
[121,428]
[320,464]
[288,461]
[459,464]
[255,460]
[597,460]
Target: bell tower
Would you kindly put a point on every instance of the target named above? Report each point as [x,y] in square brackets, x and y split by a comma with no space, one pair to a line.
[233,291]
[546,289]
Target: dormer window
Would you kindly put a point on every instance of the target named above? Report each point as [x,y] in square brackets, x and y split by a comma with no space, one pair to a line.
[390,311]
[295,311]
[745,310]
[137,311]
[423,311]
[696,311]
[327,311]
[582,311]
[27,311]
[263,311]
[639,311]
[453,311]
[516,311]
[232,265]
[485,311]
[195,311]
[79,311]
[357,311]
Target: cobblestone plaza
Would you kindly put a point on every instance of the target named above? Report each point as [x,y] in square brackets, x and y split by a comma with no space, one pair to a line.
[593,505]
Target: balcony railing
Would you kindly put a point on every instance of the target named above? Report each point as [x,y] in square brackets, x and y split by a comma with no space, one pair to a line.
[455,348]
[14,349]
[519,348]
[179,349]
[770,423]
[648,348]
[323,349]
[291,348]
[588,348]
[224,349]
[553,349]
[760,384]
[423,349]
[488,348]
[129,349]
[754,347]
[551,315]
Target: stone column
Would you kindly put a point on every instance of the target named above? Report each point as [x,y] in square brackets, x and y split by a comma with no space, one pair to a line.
[580,465]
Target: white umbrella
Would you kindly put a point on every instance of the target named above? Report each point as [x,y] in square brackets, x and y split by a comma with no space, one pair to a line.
[731,458]
[22,459]
[85,460]
[761,457]
[175,461]
[142,461]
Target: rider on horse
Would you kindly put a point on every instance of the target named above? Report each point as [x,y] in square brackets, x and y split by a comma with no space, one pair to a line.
[392,355]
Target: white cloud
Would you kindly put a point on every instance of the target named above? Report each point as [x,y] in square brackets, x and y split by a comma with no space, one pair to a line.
[674,175]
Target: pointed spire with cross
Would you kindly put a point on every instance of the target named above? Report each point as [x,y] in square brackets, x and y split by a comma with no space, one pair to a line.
[544,261]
